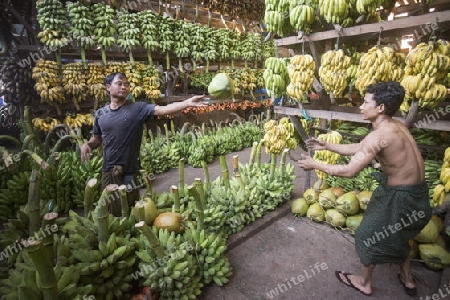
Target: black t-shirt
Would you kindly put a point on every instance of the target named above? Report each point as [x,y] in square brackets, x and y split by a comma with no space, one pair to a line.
[121,131]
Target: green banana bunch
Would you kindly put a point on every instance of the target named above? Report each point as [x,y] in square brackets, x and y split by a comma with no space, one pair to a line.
[301,71]
[81,27]
[153,158]
[361,131]
[166,36]
[181,41]
[149,32]
[64,183]
[334,11]
[105,27]
[211,46]
[53,22]
[426,67]
[248,48]
[82,173]
[276,76]
[197,44]
[15,195]
[302,16]
[333,72]
[235,46]
[275,17]
[224,36]
[200,149]
[128,32]
[367,6]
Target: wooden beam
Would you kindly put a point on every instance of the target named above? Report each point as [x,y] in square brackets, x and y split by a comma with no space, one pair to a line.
[22,21]
[407,25]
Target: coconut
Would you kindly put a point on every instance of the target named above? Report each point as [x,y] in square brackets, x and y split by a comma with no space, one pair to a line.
[353,222]
[434,256]
[221,87]
[320,185]
[151,211]
[311,196]
[438,222]
[337,190]
[299,207]
[428,234]
[414,252]
[441,242]
[335,218]
[327,199]
[348,204]
[170,221]
[316,213]
[364,198]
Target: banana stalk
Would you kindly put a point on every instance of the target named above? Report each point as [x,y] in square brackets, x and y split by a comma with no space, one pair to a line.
[34,208]
[9,162]
[44,268]
[103,213]
[253,154]
[148,182]
[151,237]
[176,197]
[258,153]
[225,172]
[89,196]
[206,175]
[141,210]
[198,207]
[42,163]
[27,121]
[48,221]
[236,172]
[63,127]
[28,139]
[201,191]
[181,177]
[273,165]
[124,200]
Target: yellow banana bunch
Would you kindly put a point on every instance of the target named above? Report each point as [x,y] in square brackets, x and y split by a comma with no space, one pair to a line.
[398,66]
[151,82]
[426,67]
[334,11]
[439,195]
[374,66]
[441,190]
[74,82]
[275,76]
[44,124]
[79,120]
[48,84]
[134,77]
[333,71]
[275,137]
[301,71]
[115,67]
[326,156]
[291,140]
[96,83]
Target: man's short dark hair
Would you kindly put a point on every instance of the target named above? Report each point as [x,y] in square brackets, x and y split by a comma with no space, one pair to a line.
[390,93]
[111,77]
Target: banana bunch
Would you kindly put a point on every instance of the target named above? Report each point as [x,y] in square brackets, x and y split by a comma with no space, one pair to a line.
[273,18]
[212,263]
[333,71]
[64,183]
[82,173]
[15,195]
[363,181]
[445,171]
[248,48]
[151,82]
[197,44]
[48,84]
[235,46]
[302,15]
[173,273]
[74,82]
[182,39]
[17,82]
[81,27]
[291,140]
[107,265]
[95,81]
[442,188]
[374,66]
[166,35]
[128,32]
[432,177]
[426,67]
[275,137]
[326,156]
[201,149]
[153,158]
[105,27]
[352,70]
[446,80]
[116,67]
[149,32]
[438,195]
[276,76]
[367,6]
[211,46]
[334,11]
[45,124]
[78,120]
[398,66]
[53,22]
[223,35]
[360,131]
[133,72]
[301,71]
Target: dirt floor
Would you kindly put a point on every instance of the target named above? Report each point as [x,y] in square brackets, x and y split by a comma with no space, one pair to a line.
[283,257]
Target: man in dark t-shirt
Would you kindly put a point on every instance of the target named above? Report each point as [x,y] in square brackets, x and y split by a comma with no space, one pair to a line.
[119,127]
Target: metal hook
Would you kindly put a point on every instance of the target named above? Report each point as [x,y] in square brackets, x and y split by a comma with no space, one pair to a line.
[379,36]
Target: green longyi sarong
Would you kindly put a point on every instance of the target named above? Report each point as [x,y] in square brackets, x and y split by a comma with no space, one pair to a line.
[394,215]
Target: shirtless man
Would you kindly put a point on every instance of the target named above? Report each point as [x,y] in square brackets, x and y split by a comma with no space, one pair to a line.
[402,194]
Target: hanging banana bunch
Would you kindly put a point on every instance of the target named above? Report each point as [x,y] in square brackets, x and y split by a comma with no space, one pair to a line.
[326,156]
[291,140]
[211,46]
[151,82]
[44,124]
[302,15]
[275,137]
[426,67]
[74,82]
[53,22]
[17,82]
[134,77]
[182,41]
[352,70]
[248,49]
[275,17]
[367,6]
[105,27]
[301,71]
[235,47]
[128,32]
[166,28]
[333,72]
[258,41]
[197,44]
[96,83]
[334,11]
[149,32]
[375,66]
[276,76]
[81,27]
[48,83]
[77,120]
[223,35]
[398,66]
[116,67]
[269,49]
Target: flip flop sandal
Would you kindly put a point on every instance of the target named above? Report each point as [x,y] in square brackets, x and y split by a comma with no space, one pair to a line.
[349,282]
[408,291]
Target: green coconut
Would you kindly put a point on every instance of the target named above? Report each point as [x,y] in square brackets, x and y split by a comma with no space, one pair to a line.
[316,213]
[151,211]
[311,196]
[299,207]
[428,234]
[335,218]
[348,204]
[353,222]
[221,87]
[434,256]
[327,199]
[364,198]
